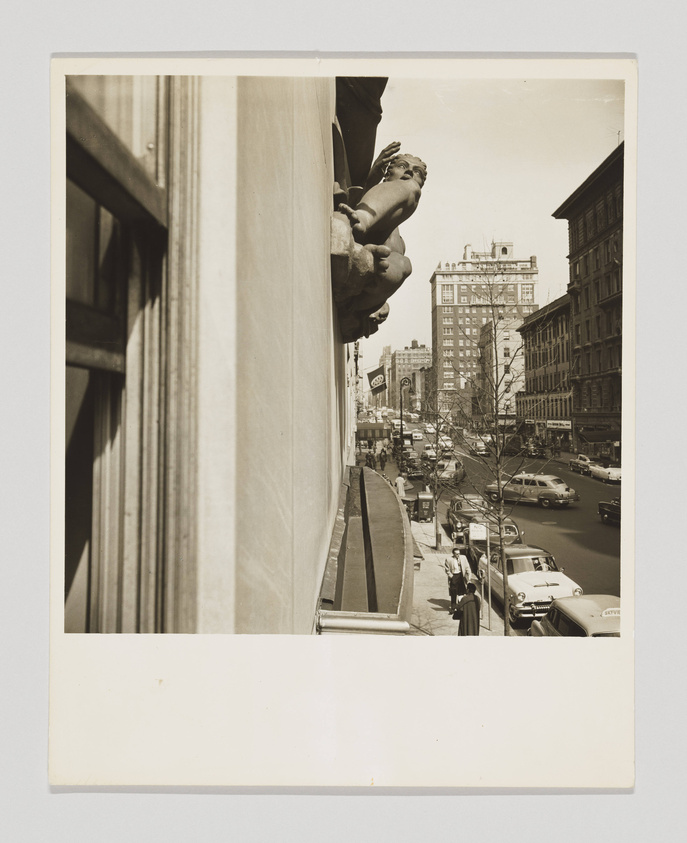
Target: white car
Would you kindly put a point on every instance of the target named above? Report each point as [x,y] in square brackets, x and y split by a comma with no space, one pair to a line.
[417,436]
[429,428]
[429,452]
[445,441]
[609,474]
[534,580]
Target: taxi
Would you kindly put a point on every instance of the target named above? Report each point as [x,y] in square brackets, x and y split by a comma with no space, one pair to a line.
[587,616]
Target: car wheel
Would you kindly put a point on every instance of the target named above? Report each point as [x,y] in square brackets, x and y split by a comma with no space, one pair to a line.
[493,497]
[512,616]
[545,502]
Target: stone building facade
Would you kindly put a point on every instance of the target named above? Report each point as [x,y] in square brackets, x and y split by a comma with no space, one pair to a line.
[466,295]
[403,363]
[501,374]
[208,390]
[544,404]
[595,231]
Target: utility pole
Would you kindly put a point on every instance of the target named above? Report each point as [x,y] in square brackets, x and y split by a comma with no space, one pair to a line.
[403,383]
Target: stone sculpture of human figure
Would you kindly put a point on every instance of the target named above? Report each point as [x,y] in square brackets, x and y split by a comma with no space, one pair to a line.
[374,221]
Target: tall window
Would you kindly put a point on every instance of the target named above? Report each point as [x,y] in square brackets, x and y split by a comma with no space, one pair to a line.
[119,281]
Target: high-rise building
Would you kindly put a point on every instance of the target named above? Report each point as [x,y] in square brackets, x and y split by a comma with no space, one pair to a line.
[403,363]
[595,232]
[466,296]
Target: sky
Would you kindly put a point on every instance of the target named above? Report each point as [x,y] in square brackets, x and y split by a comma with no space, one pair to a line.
[502,155]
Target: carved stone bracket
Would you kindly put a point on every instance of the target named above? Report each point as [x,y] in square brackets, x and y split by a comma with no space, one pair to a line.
[358,292]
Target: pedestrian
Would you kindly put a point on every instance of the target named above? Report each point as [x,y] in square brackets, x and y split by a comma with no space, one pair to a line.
[458,573]
[382,459]
[373,460]
[468,612]
[400,486]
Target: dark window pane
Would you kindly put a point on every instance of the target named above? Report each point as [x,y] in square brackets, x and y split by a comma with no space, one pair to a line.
[82,234]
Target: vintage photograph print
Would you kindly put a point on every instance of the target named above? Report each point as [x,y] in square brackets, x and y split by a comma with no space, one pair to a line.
[344,353]
[343,371]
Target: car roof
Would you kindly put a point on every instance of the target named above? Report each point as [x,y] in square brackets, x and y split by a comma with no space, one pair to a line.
[540,476]
[586,610]
[519,550]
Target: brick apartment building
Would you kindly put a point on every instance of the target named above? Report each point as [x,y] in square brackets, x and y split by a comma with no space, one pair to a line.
[595,231]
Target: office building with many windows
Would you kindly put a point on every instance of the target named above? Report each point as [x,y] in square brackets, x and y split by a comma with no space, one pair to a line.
[543,405]
[466,296]
[595,232]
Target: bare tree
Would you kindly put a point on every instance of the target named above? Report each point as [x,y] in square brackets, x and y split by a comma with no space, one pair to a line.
[481,406]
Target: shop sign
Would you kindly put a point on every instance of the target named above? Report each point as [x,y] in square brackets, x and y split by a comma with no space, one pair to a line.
[529,421]
[559,424]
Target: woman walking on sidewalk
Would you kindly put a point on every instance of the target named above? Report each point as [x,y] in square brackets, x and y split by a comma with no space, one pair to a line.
[468,612]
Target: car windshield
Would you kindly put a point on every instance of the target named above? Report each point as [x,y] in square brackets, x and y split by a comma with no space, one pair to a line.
[527,564]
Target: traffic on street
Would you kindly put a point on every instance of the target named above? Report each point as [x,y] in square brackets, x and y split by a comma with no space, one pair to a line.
[558,516]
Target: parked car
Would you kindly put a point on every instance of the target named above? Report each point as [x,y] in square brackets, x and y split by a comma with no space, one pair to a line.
[445,441]
[535,451]
[544,489]
[418,435]
[590,616]
[464,510]
[461,507]
[451,469]
[580,463]
[534,580]
[414,469]
[609,511]
[429,453]
[429,428]
[510,532]
[609,474]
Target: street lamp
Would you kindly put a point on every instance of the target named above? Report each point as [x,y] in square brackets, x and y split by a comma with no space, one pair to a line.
[404,382]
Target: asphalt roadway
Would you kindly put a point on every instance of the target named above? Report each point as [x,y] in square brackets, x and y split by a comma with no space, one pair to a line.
[587,549]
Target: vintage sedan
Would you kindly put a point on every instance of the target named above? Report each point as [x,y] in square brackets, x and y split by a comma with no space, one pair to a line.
[609,511]
[429,453]
[591,616]
[609,474]
[545,489]
[418,436]
[462,509]
[534,580]
[581,463]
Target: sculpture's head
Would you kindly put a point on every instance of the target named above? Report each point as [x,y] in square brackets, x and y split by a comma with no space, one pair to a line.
[406,167]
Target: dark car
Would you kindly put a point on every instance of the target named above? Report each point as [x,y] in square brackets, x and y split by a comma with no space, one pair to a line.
[609,511]
[414,469]
[462,508]
[473,509]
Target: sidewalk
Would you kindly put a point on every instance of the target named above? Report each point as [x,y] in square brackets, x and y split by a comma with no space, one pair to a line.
[430,591]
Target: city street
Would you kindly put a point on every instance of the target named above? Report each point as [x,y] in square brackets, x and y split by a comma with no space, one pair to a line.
[587,549]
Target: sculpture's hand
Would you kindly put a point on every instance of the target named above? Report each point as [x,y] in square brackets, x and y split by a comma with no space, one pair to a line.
[380,164]
[357,226]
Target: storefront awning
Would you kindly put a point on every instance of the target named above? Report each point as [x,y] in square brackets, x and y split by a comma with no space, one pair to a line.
[600,435]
